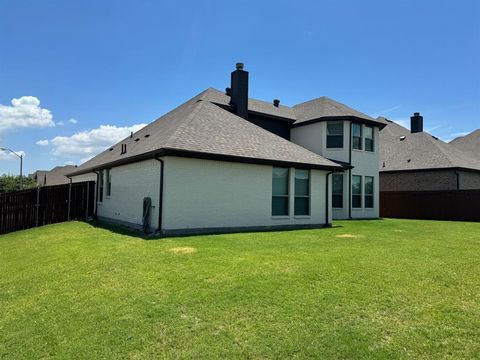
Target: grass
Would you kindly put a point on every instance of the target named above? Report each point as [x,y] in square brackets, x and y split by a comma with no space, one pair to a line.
[391,289]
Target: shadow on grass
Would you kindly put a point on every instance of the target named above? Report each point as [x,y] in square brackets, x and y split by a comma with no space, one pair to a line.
[125,230]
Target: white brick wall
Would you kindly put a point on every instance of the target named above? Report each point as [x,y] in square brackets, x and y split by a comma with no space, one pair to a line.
[130,184]
[209,194]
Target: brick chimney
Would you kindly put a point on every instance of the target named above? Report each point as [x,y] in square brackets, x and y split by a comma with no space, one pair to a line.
[416,123]
[239,91]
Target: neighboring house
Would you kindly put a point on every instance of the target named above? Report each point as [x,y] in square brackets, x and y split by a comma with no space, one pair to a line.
[413,160]
[470,143]
[224,162]
[56,176]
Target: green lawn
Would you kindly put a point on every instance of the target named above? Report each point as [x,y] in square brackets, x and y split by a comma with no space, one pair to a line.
[383,289]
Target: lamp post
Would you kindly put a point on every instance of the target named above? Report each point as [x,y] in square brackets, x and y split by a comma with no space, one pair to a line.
[20,156]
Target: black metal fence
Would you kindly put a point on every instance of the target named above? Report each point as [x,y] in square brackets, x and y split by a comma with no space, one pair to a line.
[46,205]
[459,205]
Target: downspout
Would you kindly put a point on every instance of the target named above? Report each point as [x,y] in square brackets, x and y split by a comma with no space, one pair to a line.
[350,172]
[458,179]
[160,195]
[327,197]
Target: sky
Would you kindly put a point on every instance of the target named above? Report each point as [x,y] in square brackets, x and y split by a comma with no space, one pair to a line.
[78,76]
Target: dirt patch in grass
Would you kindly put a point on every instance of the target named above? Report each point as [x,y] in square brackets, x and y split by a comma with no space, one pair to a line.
[347,236]
[182,250]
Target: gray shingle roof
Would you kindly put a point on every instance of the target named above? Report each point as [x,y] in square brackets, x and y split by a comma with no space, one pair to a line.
[419,151]
[201,127]
[469,143]
[259,106]
[55,176]
[324,107]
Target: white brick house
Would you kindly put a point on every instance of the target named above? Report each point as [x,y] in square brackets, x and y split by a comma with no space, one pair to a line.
[223,162]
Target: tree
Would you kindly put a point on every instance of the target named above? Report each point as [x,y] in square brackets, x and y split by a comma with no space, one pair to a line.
[12,183]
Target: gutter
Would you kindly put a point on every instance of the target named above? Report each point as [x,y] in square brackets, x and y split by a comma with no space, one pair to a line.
[160,194]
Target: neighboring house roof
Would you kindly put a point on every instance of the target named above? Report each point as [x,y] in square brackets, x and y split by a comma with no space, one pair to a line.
[55,176]
[400,150]
[201,129]
[325,108]
[469,143]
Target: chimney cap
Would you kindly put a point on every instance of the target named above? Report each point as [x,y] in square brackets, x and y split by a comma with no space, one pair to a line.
[228,91]
[416,114]
[276,102]
[239,66]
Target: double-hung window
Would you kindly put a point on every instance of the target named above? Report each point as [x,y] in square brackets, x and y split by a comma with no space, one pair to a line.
[369,144]
[337,190]
[302,192]
[334,135]
[280,184]
[356,191]
[108,179]
[369,192]
[357,136]
[100,186]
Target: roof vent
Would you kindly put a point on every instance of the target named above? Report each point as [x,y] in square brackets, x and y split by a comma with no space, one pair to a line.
[124,149]
[111,149]
[137,139]
[409,160]
[403,137]
[228,91]
[383,164]
[147,135]
[276,102]
[131,134]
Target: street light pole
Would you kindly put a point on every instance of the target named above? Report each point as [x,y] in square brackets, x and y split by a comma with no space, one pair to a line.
[20,156]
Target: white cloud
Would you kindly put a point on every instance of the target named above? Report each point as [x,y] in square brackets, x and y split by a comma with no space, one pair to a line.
[24,112]
[42,142]
[88,143]
[72,121]
[7,155]
[60,123]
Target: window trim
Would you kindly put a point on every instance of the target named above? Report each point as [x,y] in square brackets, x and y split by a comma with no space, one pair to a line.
[360,138]
[359,195]
[372,195]
[309,196]
[338,194]
[108,178]
[373,138]
[287,215]
[342,135]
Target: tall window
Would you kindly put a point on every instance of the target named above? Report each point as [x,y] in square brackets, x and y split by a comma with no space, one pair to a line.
[302,192]
[356,191]
[334,135]
[369,191]
[100,186]
[337,190]
[280,191]
[357,136]
[369,145]
[109,182]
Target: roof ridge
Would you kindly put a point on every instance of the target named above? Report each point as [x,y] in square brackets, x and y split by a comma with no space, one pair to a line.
[188,119]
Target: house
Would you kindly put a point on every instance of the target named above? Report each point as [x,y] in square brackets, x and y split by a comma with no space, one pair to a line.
[55,176]
[225,162]
[413,160]
[469,144]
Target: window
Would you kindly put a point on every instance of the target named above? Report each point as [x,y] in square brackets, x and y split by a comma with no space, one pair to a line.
[109,182]
[337,190]
[369,144]
[356,191]
[100,186]
[334,135]
[369,192]
[302,192]
[357,136]
[280,191]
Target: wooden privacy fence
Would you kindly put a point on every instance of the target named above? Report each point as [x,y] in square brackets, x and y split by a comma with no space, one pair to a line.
[460,205]
[46,205]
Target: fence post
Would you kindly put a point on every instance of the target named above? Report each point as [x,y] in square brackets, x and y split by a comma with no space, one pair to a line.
[69,198]
[37,205]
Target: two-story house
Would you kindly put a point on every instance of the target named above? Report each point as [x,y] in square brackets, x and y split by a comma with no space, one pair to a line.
[225,162]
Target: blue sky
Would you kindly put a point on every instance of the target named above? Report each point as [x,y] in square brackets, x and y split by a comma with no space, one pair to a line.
[73,66]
